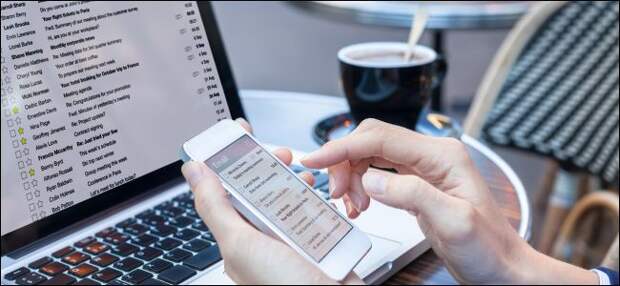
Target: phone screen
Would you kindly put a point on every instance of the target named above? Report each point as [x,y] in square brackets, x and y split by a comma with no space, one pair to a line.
[280,196]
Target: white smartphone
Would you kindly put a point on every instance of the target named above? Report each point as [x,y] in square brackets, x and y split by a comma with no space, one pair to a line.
[271,196]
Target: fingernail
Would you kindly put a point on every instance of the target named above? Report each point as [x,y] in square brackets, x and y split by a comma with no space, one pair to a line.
[356,199]
[308,157]
[374,183]
[244,123]
[350,208]
[332,185]
[192,171]
[241,120]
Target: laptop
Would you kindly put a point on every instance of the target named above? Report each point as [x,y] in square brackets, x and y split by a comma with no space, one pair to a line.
[97,97]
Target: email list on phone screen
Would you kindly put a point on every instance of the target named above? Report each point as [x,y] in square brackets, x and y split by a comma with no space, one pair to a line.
[274,191]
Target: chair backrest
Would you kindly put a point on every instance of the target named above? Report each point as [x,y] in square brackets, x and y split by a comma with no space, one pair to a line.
[553,87]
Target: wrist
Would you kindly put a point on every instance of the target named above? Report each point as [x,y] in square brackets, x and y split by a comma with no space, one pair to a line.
[533,267]
[517,265]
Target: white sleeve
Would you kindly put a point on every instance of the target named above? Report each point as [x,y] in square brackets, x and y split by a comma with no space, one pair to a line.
[603,279]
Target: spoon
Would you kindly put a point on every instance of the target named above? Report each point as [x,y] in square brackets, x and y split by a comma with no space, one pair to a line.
[418,22]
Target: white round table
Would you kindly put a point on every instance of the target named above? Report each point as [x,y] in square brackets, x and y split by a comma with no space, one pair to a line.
[288,118]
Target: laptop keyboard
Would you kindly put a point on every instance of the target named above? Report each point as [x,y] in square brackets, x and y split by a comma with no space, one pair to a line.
[166,244]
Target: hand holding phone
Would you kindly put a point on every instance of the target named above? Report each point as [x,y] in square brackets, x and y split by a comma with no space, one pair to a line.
[276,201]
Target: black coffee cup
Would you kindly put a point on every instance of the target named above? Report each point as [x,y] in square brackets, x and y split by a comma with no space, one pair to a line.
[379,83]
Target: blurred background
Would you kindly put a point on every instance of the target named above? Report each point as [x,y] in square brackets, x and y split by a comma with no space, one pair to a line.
[273,45]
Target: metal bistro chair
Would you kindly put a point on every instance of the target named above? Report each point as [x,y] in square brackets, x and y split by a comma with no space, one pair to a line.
[552,89]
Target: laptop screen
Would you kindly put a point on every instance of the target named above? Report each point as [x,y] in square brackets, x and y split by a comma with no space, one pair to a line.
[96,95]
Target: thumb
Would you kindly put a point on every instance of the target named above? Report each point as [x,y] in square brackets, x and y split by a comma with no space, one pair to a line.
[407,192]
[211,201]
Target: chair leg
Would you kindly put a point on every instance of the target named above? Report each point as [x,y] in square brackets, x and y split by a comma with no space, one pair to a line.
[541,200]
[583,238]
[611,260]
[588,229]
[563,197]
[551,225]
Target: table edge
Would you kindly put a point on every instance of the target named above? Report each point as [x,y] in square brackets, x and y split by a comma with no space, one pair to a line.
[525,221]
[463,21]
[296,95]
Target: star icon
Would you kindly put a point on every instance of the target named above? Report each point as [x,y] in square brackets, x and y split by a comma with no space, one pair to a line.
[23,141]
[31,172]
[20,131]
[15,110]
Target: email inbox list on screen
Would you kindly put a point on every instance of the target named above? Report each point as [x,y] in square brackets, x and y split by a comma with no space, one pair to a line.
[102,93]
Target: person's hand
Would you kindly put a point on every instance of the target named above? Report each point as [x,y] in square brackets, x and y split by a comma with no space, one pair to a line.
[438,183]
[250,257]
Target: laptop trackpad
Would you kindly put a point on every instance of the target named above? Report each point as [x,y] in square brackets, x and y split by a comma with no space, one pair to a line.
[402,226]
[376,257]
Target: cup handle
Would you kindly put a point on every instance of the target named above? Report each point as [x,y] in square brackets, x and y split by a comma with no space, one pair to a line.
[441,68]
